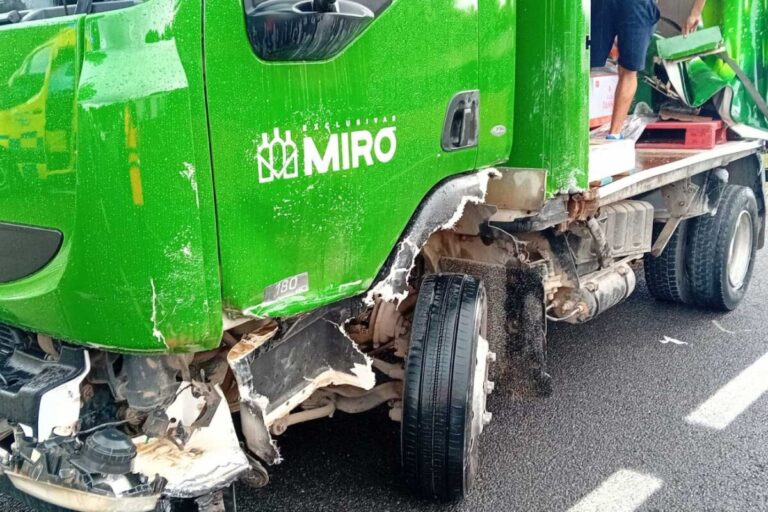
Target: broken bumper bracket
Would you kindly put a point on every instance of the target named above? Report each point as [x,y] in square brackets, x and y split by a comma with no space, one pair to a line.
[275,374]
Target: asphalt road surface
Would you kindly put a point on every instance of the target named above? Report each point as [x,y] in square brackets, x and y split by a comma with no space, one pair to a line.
[655,407]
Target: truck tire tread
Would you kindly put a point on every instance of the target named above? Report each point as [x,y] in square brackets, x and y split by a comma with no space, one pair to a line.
[439,374]
[709,238]
[665,275]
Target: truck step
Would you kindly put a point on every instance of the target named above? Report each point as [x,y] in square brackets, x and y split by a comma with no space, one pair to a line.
[679,135]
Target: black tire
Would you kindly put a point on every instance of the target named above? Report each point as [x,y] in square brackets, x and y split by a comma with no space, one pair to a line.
[710,258]
[666,275]
[438,436]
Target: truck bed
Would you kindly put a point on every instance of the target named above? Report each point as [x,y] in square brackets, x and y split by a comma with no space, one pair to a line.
[659,167]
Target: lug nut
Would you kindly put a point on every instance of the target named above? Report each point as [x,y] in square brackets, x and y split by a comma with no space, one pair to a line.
[487,417]
[489,387]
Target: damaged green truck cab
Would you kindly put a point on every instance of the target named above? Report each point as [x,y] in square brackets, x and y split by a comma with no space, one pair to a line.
[289,208]
[118,129]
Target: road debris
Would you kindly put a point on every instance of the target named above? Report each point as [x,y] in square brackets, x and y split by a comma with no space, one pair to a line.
[667,340]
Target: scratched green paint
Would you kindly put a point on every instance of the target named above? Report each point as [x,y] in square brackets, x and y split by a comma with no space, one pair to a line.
[340,226]
[108,134]
[105,94]
[116,101]
[552,107]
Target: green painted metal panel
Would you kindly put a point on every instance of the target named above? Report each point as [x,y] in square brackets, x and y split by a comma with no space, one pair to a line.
[497,79]
[38,80]
[126,174]
[552,97]
[283,211]
[743,26]
[120,164]
[675,48]
[318,166]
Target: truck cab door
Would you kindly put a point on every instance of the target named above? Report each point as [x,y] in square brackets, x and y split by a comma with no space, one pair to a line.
[330,121]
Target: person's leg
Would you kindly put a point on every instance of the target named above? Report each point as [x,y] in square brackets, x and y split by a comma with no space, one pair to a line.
[625,94]
[635,28]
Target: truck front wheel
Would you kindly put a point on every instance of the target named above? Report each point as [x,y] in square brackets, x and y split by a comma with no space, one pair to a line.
[721,250]
[446,384]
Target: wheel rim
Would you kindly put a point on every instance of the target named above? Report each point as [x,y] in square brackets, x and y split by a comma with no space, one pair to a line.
[740,253]
[479,393]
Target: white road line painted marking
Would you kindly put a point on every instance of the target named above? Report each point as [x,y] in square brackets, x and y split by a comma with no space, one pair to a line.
[734,398]
[623,491]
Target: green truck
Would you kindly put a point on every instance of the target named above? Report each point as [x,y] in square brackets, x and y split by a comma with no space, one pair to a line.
[219,219]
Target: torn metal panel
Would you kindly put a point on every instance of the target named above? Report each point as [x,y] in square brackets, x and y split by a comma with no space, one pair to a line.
[725,62]
[443,209]
[519,189]
[275,375]
[748,132]
[211,457]
[552,213]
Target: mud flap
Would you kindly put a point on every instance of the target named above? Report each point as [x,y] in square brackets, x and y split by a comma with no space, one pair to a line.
[527,322]
[275,373]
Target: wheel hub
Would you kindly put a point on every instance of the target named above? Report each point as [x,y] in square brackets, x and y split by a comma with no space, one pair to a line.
[481,388]
[740,251]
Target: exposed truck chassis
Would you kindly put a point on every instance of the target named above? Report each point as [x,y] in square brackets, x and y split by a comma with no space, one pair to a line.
[197,336]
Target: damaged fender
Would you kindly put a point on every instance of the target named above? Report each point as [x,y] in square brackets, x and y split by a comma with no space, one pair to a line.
[443,209]
[278,371]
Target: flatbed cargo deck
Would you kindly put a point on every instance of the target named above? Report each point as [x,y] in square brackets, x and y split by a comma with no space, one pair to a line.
[659,167]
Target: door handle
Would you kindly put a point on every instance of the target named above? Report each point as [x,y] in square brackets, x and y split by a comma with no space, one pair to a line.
[462,121]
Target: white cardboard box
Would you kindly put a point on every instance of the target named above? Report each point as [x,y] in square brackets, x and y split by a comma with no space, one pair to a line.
[602,91]
[609,158]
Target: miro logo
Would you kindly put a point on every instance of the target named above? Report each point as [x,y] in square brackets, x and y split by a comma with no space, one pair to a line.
[280,157]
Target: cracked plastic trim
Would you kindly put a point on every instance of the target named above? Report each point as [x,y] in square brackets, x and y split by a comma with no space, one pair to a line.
[276,374]
[442,210]
[210,459]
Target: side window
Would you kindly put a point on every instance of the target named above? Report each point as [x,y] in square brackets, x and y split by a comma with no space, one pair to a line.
[22,11]
[307,30]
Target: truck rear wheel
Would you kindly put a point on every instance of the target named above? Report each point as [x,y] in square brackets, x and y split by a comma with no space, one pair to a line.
[721,251]
[665,275]
[446,384]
